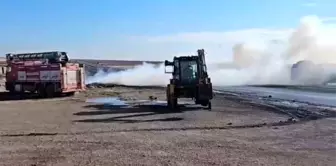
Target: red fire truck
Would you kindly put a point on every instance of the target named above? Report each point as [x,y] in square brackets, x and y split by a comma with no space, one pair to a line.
[46,73]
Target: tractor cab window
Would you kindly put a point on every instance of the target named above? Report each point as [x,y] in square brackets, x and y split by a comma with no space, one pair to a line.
[188,71]
[64,57]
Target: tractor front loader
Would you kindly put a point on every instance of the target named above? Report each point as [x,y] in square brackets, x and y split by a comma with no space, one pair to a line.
[189,80]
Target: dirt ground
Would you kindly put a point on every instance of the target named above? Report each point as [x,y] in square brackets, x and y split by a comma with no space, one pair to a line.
[71,131]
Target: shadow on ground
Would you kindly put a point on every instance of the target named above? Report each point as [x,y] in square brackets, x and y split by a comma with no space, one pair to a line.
[6,96]
[134,112]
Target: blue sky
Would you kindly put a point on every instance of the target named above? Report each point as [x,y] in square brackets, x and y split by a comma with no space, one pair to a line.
[102,28]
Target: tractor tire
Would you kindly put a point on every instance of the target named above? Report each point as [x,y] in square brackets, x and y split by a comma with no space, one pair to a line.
[207,103]
[171,99]
[10,88]
[209,106]
[174,103]
[168,98]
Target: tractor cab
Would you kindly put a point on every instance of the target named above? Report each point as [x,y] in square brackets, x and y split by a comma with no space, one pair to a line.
[185,70]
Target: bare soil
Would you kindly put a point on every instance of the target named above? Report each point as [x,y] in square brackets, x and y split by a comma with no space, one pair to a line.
[69,131]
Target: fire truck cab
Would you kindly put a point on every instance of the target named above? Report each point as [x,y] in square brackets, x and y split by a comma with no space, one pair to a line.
[46,73]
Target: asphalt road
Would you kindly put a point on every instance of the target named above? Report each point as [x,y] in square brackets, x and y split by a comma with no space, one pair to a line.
[282,93]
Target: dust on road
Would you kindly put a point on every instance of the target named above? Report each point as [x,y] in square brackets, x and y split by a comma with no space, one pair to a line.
[70,131]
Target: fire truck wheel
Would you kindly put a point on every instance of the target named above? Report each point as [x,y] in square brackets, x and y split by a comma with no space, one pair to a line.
[12,91]
[10,88]
[50,92]
[41,92]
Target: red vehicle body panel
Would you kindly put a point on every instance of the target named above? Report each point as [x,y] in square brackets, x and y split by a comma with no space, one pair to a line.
[27,75]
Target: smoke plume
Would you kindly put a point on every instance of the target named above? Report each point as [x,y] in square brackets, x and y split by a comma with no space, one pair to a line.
[312,40]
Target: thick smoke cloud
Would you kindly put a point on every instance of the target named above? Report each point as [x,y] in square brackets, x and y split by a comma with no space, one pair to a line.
[142,75]
[312,40]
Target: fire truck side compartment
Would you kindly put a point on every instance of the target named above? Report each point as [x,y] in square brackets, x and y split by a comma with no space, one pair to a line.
[34,73]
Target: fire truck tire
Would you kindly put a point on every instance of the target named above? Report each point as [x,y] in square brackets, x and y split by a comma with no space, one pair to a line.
[10,88]
[50,91]
[41,91]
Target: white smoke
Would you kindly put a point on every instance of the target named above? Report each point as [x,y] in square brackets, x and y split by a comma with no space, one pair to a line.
[268,63]
[142,75]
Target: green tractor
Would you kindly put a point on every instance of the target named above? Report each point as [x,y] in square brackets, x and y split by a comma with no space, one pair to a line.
[189,80]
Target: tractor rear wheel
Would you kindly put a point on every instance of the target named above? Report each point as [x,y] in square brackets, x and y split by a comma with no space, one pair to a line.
[209,106]
[206,103]
[168,97]
[174,102]
[171,99]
